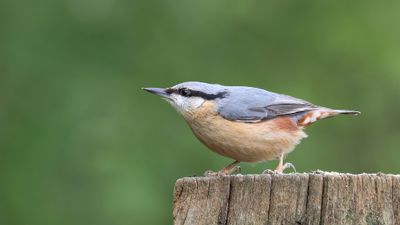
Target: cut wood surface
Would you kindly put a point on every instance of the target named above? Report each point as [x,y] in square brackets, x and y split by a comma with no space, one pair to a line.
[299,198]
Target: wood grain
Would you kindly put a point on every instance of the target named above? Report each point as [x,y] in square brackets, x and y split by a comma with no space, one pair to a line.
[300,198]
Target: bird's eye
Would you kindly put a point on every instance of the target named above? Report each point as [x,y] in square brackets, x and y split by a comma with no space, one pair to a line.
[185,92]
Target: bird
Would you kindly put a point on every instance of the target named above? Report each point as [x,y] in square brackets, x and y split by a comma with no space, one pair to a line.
[246,124]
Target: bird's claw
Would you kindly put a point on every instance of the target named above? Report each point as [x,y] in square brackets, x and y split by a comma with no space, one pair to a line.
[235,169]
[289,165]
[210,173]
[268,171]
[280,169]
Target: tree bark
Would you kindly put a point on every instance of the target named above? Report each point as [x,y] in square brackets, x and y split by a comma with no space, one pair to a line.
[308,198]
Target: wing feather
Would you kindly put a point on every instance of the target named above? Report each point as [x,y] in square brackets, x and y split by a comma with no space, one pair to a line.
[253,105]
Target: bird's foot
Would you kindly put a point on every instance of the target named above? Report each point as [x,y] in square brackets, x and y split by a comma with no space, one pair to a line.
[223,172]
[281,167]
[210,173]
[235,169]
[268,171]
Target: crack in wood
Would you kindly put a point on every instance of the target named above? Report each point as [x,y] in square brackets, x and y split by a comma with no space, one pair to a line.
[323,200]
[269,201]
[228,203]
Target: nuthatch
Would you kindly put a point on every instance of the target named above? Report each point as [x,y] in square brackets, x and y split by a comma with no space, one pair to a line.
[246,124]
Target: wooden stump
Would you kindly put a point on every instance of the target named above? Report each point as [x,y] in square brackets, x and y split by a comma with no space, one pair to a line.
[308,198]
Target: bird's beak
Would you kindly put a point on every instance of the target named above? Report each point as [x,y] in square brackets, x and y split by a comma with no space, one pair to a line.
[158,91]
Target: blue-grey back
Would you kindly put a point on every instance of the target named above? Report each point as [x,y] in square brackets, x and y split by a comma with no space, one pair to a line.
[254,104]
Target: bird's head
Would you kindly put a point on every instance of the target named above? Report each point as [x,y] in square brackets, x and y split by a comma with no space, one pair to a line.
[188,97]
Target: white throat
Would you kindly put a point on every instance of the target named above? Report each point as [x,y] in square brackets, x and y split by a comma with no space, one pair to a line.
[185,105]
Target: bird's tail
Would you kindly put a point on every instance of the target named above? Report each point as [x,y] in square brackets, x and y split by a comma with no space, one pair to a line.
[347,112]
[322,113]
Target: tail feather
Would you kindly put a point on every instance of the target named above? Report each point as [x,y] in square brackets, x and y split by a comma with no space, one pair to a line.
[348,112]
[315,115]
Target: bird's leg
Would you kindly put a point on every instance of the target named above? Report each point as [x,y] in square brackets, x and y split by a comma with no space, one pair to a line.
[281,167]
[229,169]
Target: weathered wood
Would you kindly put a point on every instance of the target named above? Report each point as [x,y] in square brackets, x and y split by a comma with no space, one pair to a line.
[309,198]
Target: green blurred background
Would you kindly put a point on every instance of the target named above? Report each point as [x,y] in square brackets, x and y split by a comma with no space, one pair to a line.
[81,143]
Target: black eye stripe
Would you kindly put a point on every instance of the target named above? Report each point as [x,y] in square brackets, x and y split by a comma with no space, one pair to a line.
[188,93]
[180,91]
[185,92]
[169,90]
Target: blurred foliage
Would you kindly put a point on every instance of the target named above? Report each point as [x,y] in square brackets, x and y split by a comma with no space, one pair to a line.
[81,143]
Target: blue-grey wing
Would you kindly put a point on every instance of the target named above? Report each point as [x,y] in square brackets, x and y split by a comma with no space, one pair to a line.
[252,104]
